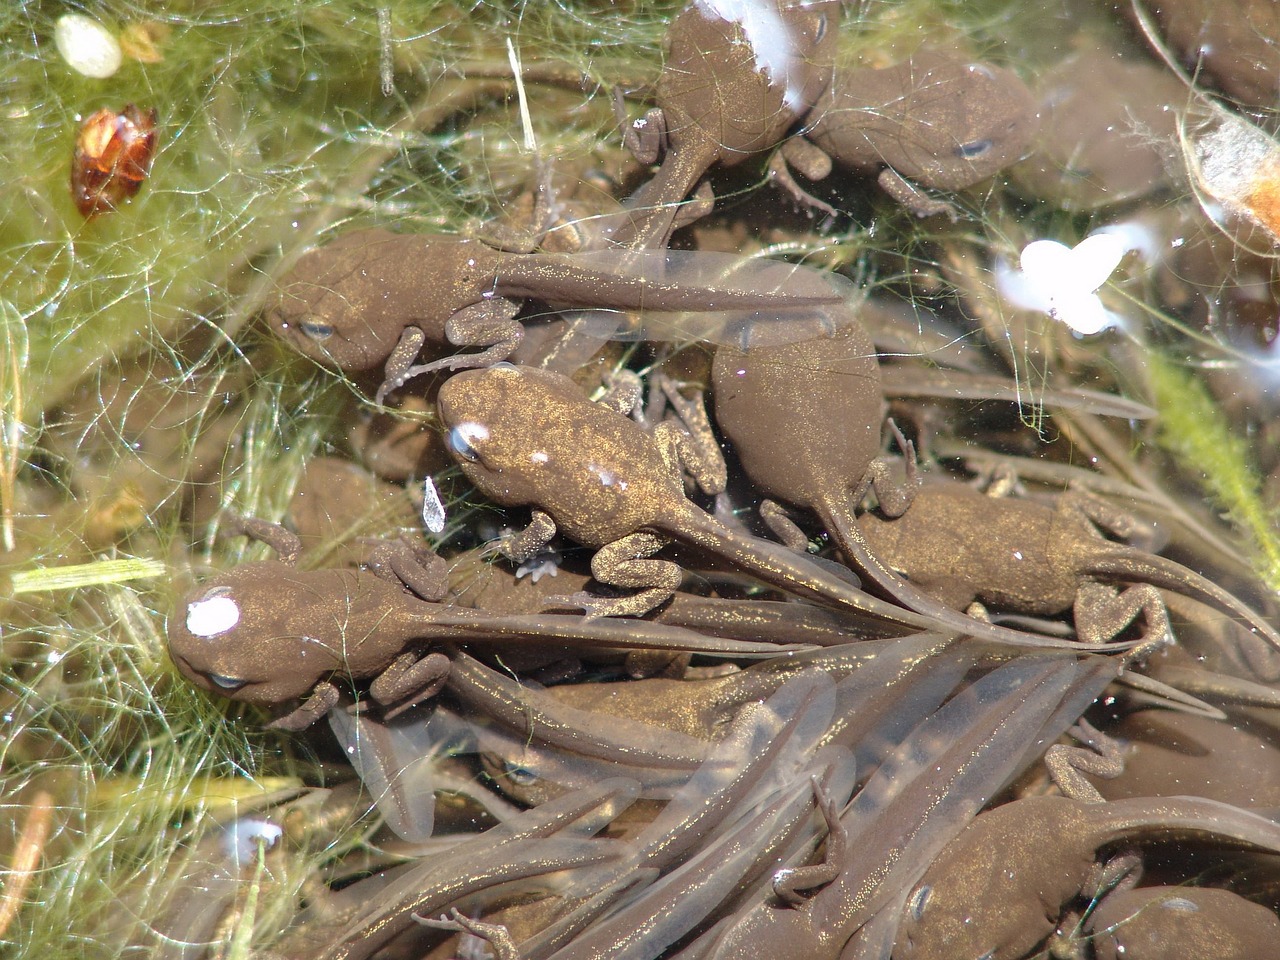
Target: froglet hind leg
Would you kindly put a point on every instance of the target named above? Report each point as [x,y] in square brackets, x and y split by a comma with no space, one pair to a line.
[323,698]
[625,563]
[526,544]
[1102,756]
[893,496]
[694,447]
[490,324]
[420,570]
[1111,519]
[787,884]
[286,543]
[1101,613]
[913,198]
[409,680]
[645,138]
[781,525]
[812,161]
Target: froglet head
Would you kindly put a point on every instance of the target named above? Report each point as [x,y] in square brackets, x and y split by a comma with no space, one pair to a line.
[492,424]
[963,121]
[233,637]
[339,306]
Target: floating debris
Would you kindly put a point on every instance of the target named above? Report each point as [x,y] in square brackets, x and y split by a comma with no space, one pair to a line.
[1239,166]
[87,46]
[112,157]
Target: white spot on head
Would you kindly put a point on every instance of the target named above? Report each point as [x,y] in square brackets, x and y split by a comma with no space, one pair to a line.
[539,457]
[770,40]
[212,616]
[87,46]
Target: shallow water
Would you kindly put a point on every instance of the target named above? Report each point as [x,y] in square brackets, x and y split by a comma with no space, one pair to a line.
[142,401]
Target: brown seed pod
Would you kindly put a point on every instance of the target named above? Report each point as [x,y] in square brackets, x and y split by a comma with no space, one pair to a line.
[112,157]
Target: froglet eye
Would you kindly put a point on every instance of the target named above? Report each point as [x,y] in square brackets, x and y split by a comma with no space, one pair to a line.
[820,28]
[520,776]
[919,901]
[462,437]
[226,683]
[974,148]
[316,331]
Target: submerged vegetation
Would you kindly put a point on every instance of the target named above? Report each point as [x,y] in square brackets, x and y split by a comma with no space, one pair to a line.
[142,403]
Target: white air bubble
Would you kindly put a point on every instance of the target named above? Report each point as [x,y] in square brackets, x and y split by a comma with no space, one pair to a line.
[212,616]
[87,46]
[432,508]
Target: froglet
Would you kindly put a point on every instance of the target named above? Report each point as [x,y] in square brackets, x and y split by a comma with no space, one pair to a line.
[730,88]
[372,298]
[932,121]
[268,633]
[531,437]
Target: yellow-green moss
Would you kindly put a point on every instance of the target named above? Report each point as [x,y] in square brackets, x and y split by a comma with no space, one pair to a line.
[1196,432]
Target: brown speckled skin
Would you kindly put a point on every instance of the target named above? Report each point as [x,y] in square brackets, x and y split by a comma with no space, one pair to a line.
[963,546]
[713,94]
[804,417]
[337,504]
[475,582]
[886,845]
[1167,754]
[1190,923]
[805,420]
[936,120]
[704,707]
[1237,43]
[296,628]
[601,478]
[368,285]
[1023,556]
[1109,131]
[595,471]
[999,888]
[715,104]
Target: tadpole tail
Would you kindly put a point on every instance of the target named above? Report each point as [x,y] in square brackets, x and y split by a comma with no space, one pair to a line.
[1136,566]
[1182,817]
[664,280]
[859,555]
[776,565]
[652,209]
